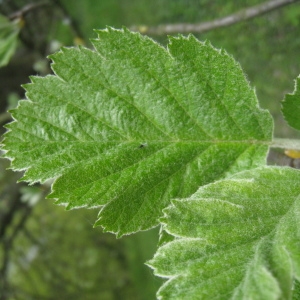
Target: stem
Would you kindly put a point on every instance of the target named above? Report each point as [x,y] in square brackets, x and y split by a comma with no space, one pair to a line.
[285,143]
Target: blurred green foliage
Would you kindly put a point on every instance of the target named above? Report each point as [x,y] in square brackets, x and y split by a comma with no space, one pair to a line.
[8,39]
[58,255]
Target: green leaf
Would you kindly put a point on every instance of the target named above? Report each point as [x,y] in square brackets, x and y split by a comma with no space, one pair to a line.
[131,125]
[237,238]
[291,106]
[8,39]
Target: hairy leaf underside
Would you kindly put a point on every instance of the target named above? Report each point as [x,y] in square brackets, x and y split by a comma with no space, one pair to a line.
[238,238]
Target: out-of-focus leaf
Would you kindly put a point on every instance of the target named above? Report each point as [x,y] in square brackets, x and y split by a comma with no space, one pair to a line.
[9,31]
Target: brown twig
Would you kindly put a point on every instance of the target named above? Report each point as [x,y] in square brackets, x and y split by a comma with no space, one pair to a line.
[241,15]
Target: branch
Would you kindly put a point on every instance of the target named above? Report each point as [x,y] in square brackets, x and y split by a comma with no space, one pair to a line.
[241,15]
[27,8]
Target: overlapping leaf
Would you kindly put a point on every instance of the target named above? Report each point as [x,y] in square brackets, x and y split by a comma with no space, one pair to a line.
[291,107]
[237,238]
[130,125]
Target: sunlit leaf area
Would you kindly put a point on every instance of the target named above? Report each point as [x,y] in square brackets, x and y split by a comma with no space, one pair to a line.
[131,127]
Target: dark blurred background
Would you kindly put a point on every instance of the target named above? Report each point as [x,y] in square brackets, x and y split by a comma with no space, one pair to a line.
[48,253]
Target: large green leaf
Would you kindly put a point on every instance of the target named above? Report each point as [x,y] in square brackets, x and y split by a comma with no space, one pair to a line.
[237,238]
[131,125]
[8,39]
[291,107]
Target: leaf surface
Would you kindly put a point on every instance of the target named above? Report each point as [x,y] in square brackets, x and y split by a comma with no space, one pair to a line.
[237,238]
[291,106]
[130,125]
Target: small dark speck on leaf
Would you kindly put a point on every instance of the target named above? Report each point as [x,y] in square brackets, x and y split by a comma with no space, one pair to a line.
[143,145]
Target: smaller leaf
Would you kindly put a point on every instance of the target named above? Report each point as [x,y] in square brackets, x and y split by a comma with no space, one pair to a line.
[291,107]
[237,238]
